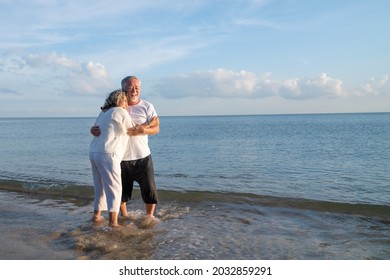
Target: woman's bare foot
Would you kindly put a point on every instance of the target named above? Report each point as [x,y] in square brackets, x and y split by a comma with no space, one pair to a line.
[97,219]
[115,225]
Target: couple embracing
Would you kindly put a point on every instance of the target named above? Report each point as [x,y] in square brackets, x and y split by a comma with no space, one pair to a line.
[120,154]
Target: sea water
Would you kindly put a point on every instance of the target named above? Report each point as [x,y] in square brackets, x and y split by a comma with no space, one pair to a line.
[230,187]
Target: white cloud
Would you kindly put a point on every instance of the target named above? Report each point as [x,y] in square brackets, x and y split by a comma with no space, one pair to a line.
[218,83]
[58,72]
[384,80]
[374,87]
[243,84]
[53,61]
[95,70]
[321,86]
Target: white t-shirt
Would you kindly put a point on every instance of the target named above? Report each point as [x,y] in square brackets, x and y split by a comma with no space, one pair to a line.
[138,147]
[113,125]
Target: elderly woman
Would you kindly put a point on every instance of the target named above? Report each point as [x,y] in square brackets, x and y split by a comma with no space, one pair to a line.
[106,153]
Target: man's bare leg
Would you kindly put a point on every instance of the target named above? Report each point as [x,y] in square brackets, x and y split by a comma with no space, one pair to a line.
[123,209]
[150,208]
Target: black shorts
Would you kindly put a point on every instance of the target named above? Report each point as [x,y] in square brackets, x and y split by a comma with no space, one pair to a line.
[142,172]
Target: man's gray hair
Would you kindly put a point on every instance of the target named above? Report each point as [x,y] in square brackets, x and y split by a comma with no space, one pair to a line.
[124,80]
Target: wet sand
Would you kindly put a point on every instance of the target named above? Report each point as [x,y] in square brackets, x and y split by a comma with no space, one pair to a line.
[28,227]
[38,227]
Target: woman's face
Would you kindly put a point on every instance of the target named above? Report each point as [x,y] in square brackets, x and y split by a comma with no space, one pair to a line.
[123,103]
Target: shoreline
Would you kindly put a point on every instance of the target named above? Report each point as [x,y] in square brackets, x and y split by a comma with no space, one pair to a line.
[46,227]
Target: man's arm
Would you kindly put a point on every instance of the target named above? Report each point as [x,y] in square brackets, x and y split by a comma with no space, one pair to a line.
[95,131]
[153,127]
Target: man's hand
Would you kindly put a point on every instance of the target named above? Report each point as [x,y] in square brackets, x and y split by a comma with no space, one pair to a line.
[95,131]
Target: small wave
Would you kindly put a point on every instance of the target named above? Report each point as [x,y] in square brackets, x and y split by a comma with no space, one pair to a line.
[78,194]
[84,194]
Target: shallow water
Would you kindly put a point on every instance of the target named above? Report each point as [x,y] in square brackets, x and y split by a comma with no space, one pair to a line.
[204,229]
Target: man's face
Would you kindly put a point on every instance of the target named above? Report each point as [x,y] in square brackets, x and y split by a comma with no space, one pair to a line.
[133,91]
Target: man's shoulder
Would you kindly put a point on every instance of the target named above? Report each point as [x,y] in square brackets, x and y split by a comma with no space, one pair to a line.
[143,109]
[145,103]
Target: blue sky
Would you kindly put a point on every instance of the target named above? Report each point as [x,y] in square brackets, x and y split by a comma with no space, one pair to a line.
[62,58]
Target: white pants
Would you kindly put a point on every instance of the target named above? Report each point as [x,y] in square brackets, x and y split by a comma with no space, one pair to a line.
[106,171]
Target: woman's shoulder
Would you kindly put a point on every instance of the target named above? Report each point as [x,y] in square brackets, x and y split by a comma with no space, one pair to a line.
[118,110]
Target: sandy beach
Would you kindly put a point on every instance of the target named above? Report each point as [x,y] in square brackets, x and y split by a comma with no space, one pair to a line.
[28,227]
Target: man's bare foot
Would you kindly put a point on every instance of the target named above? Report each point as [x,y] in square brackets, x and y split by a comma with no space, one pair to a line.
[148,221]
[123,209]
